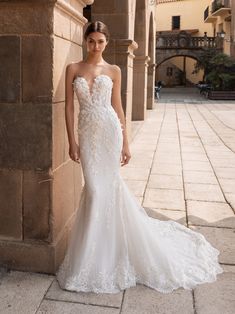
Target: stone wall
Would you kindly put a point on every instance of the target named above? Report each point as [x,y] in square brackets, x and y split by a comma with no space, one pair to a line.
[39,184]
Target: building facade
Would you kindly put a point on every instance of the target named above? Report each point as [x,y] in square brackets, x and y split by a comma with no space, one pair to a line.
[174,17]
[39,184]
[220,14]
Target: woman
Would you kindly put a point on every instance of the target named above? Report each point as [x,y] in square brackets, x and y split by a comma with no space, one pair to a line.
[114,244]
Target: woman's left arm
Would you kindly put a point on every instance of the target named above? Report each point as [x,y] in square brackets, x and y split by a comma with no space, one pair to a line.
[117,105]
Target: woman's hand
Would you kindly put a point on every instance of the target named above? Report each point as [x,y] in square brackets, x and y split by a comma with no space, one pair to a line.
[74,152]
[126,155]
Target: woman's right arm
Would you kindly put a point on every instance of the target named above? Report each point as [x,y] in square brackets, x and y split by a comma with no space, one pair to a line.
[69,112]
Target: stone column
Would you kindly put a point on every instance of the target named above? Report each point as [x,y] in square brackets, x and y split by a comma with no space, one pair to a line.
[39,184]
[120,49]
[151,85]
[140,87]
[124,58]
[232,47]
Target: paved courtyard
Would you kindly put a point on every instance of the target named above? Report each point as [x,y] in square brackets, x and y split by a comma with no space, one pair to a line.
[182,168]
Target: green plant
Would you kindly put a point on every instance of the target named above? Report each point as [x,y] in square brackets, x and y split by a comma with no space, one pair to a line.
[222,75]
[219,70]
[203,61]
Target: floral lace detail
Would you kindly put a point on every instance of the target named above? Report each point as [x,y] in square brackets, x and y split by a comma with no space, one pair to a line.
[114,244]
[98,124]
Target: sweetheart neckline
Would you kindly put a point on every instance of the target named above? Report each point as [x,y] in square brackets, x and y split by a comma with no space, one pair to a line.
[90,90]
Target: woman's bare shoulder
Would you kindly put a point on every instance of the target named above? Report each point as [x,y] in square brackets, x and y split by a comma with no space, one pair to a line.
[115,71]
[73,67]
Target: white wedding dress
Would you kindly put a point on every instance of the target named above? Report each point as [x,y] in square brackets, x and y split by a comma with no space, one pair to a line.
[114,244]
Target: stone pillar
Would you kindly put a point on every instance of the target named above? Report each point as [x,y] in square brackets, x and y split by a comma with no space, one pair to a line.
[124,58]
[39,184]
[232,46]
[151,85]
[140,87]
[120,48]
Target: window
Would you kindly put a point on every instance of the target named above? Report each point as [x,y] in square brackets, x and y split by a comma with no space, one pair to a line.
[169,71]
[176,22]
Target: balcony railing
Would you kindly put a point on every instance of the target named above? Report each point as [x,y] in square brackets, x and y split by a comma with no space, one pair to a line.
[219,4]
[182,41]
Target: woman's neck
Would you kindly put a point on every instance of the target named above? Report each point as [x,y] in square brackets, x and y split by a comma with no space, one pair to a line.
[94,60]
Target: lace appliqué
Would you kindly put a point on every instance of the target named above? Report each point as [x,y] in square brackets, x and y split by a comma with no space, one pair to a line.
[115,244]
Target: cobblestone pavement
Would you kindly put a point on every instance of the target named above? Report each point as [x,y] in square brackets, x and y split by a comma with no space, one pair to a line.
[182,168]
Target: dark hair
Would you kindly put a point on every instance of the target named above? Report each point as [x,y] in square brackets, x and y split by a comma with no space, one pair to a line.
[97,26]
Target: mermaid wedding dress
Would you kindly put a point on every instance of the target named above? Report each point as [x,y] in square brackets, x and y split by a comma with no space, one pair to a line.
[114,244]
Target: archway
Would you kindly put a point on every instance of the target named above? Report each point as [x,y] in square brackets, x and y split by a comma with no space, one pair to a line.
[177,70]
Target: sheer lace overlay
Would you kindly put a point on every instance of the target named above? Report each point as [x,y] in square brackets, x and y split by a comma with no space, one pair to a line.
[114,244]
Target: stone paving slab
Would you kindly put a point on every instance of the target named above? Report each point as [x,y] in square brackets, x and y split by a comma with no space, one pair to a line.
[221,238]
[210,214]
[217,297]
[22,292]
[223,162]
[194,157]
[162,181]
[224,172]
[167,157]
[55,307]
[166,168]
[164,198]
[169,141]
[104,299]
[192,149]
[228,268]
[227,185]
[203,177]
[193,165]
[141,300]
[140,162]
[166,148]
[142,146]
[135,173]
[203,192]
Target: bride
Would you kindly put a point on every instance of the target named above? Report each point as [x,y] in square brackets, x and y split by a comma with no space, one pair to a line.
[114,244]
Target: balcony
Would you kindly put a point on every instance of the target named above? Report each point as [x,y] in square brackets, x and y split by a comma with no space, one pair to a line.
[184,40]
[221,8]
[208,17]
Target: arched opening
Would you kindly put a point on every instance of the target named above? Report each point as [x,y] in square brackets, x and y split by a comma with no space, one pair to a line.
[178,71]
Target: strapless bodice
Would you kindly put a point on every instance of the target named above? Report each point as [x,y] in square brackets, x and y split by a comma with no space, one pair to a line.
[98,96]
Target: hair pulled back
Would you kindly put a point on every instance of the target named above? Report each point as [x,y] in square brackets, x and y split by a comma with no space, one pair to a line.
[97,26]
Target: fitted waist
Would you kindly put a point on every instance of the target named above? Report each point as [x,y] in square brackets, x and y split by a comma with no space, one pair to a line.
[96,108]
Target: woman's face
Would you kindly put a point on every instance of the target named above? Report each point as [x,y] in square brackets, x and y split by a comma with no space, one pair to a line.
[96,42]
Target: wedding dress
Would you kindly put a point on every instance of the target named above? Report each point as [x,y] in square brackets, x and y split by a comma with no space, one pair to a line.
[114,244]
